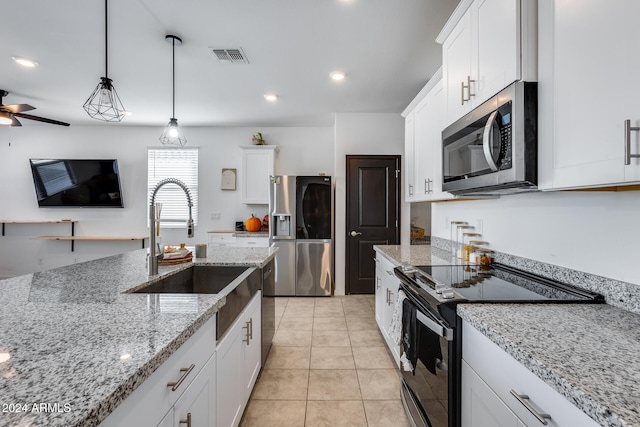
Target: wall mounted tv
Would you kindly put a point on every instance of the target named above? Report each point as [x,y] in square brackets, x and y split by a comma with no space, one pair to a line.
[80,183]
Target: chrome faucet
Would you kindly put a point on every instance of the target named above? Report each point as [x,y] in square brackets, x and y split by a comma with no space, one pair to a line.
[153,256]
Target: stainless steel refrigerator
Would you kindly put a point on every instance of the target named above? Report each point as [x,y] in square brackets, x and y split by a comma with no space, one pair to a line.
[301,226]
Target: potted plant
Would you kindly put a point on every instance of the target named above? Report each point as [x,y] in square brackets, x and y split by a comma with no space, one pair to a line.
[258,139]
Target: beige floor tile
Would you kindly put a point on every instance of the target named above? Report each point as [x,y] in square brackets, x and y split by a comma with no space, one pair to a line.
[366,339]
[361,323]
[282,384]
[322,338]
[288,358]
[297,311]
[332,358]
[328,384]
[379,384]
[281,301]
[269,413]
[292,338]
[329,324]
[301,302]
[359,310]
[328,311]
[372,358]
[385,413]
[336,414]
[296,324]
[329,302]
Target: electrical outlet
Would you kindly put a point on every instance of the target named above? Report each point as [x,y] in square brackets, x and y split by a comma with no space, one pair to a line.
[479,224]
[40,261]
[215,216]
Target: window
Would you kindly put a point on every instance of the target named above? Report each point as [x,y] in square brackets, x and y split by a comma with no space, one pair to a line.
[179,163]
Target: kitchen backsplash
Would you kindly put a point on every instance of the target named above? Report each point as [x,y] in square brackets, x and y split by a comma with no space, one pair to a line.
[620,294]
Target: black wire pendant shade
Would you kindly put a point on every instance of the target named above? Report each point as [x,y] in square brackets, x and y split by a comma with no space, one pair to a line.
[172,134]
[104,102]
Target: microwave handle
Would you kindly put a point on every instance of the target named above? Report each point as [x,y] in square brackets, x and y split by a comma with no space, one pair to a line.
[486,141]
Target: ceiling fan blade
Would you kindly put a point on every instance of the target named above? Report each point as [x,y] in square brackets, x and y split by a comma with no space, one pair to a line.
[17,108]
[5,115]
[41,119]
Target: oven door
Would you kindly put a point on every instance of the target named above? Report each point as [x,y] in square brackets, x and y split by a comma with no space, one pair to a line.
[425,392]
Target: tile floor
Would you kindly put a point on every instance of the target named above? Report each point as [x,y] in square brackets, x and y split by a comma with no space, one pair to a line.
[328,367]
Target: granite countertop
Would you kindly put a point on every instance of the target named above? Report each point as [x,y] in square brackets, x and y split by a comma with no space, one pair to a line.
[588,353]
[242,233]
[414,254]
[64,331]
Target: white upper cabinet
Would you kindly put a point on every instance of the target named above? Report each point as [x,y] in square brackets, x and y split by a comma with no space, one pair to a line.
[588,88]
[423,144]
[486,45]
[258,163]
[409,155]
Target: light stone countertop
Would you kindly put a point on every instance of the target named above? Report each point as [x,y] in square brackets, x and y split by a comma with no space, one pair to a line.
[414,254]
[589,353]
[65,329]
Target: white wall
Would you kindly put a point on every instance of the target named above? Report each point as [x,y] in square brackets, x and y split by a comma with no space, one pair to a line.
[594,232]
[381,134]
[302,151]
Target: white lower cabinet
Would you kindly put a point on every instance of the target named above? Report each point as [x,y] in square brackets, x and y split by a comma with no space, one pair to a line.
[387,286]
[238,363]
[491,379]
[196,407]
[184,383]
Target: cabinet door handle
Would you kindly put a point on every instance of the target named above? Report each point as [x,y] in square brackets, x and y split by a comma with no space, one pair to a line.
[251,328]
[187,421]
[246,336]
[468,87]
[185,371]
[390,298]
[522,398]
[627,141]
[377,283]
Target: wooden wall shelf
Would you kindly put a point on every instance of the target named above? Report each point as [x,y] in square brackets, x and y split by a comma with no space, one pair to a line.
[35,221]
[72,239]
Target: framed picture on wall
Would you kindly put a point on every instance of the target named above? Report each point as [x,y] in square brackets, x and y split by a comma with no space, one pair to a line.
[228,181]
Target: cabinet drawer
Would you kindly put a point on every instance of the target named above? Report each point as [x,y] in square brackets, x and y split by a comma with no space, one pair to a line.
[222,238]
[502,373]
[252,242]
[148,404]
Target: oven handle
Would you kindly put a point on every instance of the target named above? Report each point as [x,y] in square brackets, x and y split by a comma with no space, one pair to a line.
[435,325]
[486,141]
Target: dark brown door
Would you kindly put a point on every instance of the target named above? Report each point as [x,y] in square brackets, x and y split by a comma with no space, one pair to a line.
[373,216]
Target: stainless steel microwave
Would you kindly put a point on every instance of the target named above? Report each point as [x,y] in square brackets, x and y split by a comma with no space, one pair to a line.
[493,149]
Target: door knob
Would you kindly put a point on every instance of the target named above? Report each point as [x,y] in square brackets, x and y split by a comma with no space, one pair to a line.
[355,233]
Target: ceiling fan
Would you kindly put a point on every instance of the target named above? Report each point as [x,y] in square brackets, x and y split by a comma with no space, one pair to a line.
[8,113]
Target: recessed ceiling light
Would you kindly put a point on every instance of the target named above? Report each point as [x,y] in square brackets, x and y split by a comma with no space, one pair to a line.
[25,62]
[338,75]
[271,97]
[128,113]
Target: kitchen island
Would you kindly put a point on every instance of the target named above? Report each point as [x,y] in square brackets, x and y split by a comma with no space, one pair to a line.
[588,353]
[74,345]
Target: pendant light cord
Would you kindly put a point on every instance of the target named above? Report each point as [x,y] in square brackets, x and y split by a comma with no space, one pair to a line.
[173,59]
[106,38]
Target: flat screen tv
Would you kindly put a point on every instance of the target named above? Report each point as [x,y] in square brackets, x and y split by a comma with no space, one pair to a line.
[80,183]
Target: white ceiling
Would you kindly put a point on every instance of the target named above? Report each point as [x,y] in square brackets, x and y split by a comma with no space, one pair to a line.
[386,47]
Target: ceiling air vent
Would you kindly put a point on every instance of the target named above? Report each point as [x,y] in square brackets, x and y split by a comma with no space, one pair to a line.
[230,56]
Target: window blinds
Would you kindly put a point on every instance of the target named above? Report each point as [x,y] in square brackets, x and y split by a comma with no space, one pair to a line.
[179,163]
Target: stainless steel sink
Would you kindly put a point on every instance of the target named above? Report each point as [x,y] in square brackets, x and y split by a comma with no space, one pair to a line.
[236,284]
[204,279]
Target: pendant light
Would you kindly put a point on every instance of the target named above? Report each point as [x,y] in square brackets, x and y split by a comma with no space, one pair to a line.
[172,134]
[104,103]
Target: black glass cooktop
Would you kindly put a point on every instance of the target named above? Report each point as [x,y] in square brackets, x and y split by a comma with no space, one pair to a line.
[498,284]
